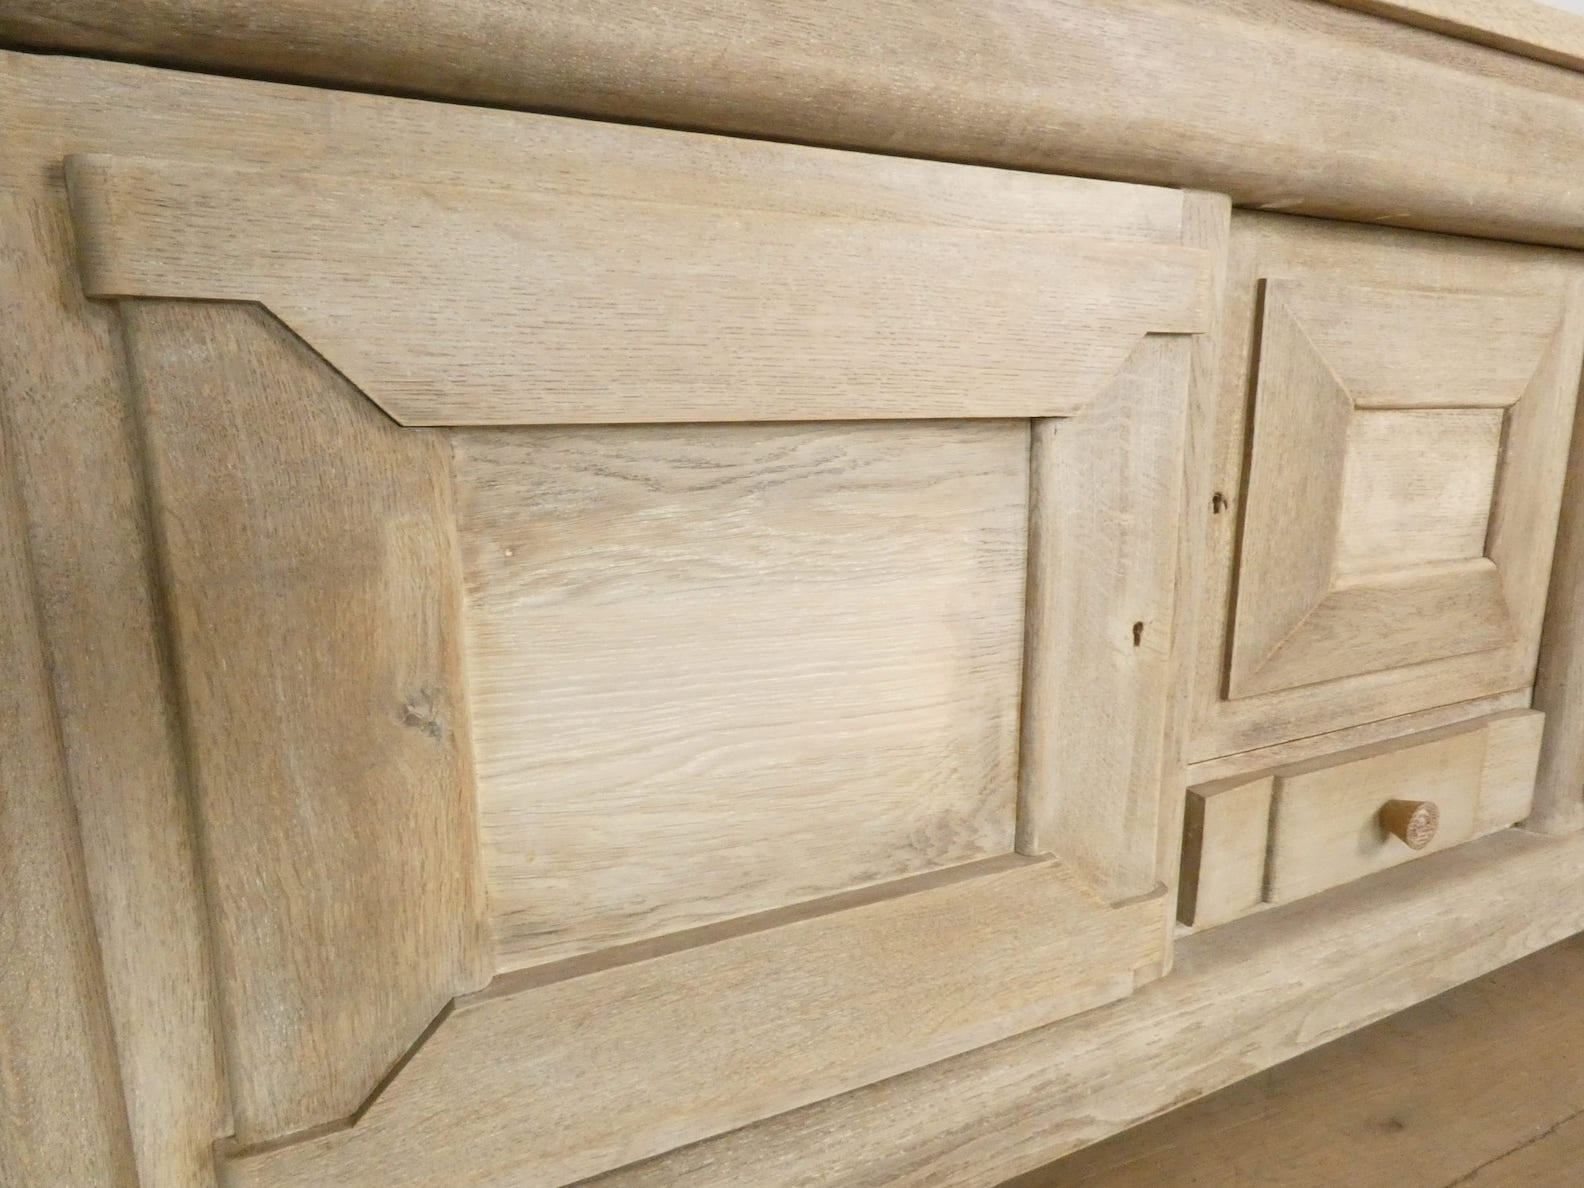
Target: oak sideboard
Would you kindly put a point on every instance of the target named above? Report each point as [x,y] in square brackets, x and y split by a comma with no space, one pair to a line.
[755,595]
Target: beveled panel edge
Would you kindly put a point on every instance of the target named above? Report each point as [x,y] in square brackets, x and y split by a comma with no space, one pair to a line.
[474,1064]
[1298,436]
[247,558]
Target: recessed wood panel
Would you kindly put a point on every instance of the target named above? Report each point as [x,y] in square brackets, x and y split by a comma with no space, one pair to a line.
[719,669]
[748,695]
[1337,574]
[1416,488]
[1389,446]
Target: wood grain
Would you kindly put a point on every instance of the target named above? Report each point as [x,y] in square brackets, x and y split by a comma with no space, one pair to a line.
[1226,832]
[276,126]
[339,126]
[1463,1090]
[315,611]
[1531,478]
[1299,749]
[1336,575]
[1429,267]
[1544,32]
[1390,621]
[297,131]
[1417,488]
[1325,829]
[1255,100]
[1397,348]
[759,664]
[1559,676]
[1105,501]
[62,1120]
[560,1079]
[1207,223]
[636,309]
[1507,783]
[1231,1008]
[77,463]
[1279,835]
[1293,506]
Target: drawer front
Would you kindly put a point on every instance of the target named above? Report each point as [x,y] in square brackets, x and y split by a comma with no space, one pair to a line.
[1274,837]
[667,629]
[1386,502]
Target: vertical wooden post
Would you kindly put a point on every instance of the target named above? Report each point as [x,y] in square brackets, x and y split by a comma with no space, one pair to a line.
[62,1120]
[1559,680]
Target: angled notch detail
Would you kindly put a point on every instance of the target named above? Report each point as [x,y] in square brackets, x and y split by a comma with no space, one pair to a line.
[543,306]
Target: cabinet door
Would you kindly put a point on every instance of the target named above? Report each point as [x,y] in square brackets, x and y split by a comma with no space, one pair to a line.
[666,629]
[1388,489]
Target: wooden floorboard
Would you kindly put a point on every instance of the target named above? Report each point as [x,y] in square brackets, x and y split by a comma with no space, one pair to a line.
[1482,1087]
[1554,1160]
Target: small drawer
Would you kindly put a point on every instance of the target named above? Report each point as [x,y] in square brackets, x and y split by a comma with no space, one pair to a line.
[1276,836]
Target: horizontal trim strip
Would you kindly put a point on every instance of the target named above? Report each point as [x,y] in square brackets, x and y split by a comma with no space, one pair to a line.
[498,302]
[1263,107]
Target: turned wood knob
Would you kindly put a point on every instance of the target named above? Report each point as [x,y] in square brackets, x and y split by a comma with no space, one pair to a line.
[1414,821]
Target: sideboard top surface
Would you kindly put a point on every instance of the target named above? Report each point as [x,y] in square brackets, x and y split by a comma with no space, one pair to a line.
[1259,101]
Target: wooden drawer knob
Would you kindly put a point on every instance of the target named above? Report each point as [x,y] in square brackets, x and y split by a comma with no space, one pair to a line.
[1414,821]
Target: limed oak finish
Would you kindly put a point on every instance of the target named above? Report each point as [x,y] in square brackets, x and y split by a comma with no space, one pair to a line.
[1388,457]
[1310,826]
[1424,434]
[331,595]
[602,732]
[770,752]
[554,650]
[644,307]
[65,1120]
[1257,100]
[1232,1006]
[1480,1088]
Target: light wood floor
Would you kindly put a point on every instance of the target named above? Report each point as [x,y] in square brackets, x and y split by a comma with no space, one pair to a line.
[1482,1087]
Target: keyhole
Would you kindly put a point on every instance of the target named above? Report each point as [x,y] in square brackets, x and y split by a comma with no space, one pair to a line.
[1218,503]
[1138,634]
